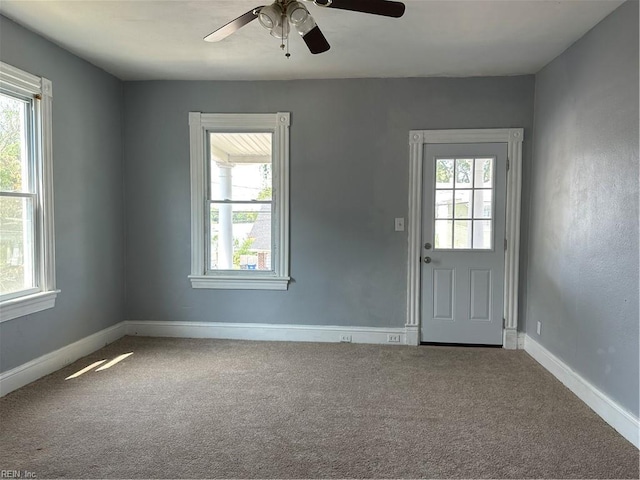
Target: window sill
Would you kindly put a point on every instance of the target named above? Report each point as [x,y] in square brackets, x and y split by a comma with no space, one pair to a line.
[21,306]
[239,283]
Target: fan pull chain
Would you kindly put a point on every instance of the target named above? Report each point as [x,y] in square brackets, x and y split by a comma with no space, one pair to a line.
[285,39]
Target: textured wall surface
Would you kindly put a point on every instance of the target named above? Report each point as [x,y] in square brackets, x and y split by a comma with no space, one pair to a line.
[583,246]
[88,190]
[349,179]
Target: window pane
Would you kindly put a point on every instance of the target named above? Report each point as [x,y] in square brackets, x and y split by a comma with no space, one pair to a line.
[468,201]
[463,173]
[14,155]
[482,203]
[463,204]
[482,234]
[443,230]
[240,166]
[444,204]
[444,173]
[240,237]
[483,176]
[462,234]
[16,244]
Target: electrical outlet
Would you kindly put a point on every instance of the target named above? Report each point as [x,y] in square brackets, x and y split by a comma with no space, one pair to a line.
[539,327]
[391,338]
[345,338]
[399,224]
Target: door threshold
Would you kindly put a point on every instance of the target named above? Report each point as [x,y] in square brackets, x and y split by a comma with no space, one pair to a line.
[447,344]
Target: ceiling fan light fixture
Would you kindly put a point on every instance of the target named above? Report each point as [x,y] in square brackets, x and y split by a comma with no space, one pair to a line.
[270,16]
[281,30]
[306,26]
[297,13]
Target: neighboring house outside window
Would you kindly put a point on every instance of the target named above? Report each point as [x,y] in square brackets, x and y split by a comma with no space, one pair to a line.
[260,236]
[27,266]
[239,201]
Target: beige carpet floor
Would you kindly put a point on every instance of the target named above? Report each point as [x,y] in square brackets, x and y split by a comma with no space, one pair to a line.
[186,408]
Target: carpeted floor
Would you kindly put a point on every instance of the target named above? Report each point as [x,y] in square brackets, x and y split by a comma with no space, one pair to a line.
[186,408]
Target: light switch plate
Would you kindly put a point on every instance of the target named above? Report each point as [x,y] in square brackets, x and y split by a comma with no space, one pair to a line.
[399,224]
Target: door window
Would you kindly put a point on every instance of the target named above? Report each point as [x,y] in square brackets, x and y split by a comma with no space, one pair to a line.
[464,197]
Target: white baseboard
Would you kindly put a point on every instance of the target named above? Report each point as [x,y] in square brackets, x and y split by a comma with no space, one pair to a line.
[620,419]
[28,372]
[262,331]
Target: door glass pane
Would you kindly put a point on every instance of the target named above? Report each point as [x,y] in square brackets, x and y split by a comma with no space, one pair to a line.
[483,176]
[463,204]
[444,203]
[482,203]
[16,244]
[462,234]
[240,236]
[467,199]
[240,167]
[463,173]
[482,234]
[444,173]
[14,155]
[443,230]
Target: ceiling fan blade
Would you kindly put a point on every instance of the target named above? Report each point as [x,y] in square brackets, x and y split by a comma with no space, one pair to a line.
[316,41]
[386,8]
[234,25]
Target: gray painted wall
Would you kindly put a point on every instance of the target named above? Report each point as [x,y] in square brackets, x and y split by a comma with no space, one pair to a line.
[88,189]
[349,179]
[583,247]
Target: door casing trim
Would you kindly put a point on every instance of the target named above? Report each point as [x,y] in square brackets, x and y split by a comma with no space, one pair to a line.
[513,137]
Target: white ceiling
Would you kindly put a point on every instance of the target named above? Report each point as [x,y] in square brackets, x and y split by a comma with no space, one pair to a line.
[150,39]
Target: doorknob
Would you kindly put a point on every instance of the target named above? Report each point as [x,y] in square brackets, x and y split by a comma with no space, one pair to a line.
[427,259]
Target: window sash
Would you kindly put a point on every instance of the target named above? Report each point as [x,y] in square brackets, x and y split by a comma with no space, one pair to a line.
[29,180]
[208,231]
[211,201]
[33,262]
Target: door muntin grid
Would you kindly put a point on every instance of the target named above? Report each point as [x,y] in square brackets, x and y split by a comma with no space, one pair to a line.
[464,203]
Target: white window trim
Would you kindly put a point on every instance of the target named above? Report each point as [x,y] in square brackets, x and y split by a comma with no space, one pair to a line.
[199,125]
[22,83]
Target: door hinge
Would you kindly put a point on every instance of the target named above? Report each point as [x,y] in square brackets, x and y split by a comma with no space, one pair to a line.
[504,322]
[508,164]
[505,243]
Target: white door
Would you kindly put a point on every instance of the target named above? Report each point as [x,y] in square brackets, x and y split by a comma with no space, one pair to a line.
[463,232]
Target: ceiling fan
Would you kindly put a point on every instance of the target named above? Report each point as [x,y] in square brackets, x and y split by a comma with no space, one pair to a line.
[281,15]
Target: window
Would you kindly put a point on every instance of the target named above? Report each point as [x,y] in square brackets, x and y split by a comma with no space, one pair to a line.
[239,201]
[464,203]
[27,277]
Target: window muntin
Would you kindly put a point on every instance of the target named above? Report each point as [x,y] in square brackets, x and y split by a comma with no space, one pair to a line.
[464,199]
